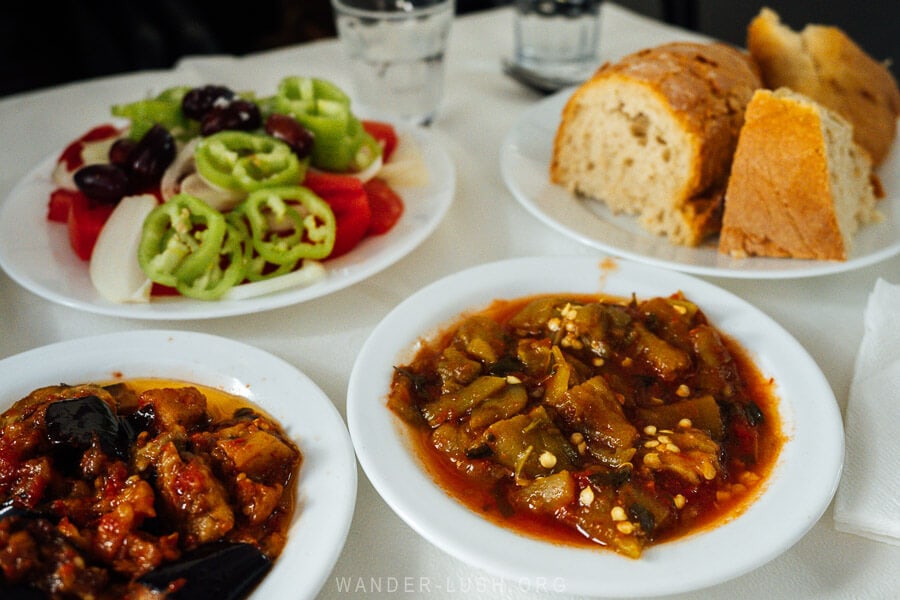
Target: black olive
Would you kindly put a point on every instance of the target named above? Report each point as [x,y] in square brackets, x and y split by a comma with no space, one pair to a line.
[105,183]
[291,132]
[150,157]
[118,152]
[241,115]
[198,101]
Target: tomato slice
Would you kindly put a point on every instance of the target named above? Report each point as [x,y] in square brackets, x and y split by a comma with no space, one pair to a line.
[59,205]
[350,204]
[158,289]
[386,205]
[384,134]
[85,221]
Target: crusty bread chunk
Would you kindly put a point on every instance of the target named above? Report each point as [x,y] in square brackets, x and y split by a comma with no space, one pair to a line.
[822,62]
[654,134]
[799,186]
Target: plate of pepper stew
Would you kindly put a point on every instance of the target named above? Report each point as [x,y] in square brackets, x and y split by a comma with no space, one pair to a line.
[611,427]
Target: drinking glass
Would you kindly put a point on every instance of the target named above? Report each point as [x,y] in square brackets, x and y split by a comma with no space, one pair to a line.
[557,39]
[396,53]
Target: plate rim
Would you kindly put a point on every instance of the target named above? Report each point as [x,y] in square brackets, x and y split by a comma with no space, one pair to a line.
[425,209]
[206,355]
[751,267]
[365,423]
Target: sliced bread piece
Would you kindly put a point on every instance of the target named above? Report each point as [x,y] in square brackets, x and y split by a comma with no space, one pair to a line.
[653,135]
[799,186]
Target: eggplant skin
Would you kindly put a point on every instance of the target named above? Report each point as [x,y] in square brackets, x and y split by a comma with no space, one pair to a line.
[219,571]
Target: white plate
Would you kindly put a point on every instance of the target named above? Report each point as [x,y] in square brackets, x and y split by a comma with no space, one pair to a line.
[36,253]
[524,162]
[327,481]
[800,487]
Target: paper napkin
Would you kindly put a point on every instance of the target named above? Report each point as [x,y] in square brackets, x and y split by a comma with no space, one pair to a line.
[867,502]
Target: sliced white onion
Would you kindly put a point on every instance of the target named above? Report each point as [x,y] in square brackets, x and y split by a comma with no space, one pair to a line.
[114,267]
[407,167]
[182,177]
[217,197]
[181,167]
[311,272]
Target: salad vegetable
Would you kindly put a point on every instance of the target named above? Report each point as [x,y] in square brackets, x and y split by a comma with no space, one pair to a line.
[114,268]
[180,240]
[347,199]
[231,195]
[238,160]
[341,141]
[221,274]
[288,224]
[164,110]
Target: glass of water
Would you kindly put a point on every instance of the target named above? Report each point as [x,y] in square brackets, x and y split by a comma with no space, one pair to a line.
[396,53]
[557,38]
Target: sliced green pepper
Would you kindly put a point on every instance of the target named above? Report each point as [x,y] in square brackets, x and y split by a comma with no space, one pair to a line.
[257,267]
[238,160]
[164,109]
[341,143]
[288,224]
[221,274]
[180,239]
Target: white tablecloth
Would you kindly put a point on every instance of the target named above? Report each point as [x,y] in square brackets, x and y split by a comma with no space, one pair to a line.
[485,223]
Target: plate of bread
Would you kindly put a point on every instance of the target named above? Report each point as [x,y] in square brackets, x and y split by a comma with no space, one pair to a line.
[774,161]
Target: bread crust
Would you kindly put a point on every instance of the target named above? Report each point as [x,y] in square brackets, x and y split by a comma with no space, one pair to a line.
[697,93]
[782,200]
[823,63]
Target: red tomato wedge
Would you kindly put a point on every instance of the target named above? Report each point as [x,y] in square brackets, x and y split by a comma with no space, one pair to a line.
[59,205]
[384,134]
[386,206]
[85,221]
[350,204]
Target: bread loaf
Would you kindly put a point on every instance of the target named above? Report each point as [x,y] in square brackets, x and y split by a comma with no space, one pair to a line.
[654,135]
[824,64]
[799,185]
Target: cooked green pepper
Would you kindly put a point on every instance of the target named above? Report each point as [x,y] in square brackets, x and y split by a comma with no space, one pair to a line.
[221,274]
[180,239]
[341,142]
[288,224]
[164,109]
[238,160]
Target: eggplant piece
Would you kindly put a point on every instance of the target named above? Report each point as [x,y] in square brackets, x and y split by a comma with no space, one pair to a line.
[451,406]
[9,509]
[22,592]
[74,422]
[217,571]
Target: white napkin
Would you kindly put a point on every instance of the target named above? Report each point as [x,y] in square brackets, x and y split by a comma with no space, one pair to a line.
[867,502]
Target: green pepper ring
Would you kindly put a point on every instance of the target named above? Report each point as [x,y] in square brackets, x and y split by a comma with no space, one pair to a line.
[215,281]
[240,160]
[312,233]
[179,239]
[257,266]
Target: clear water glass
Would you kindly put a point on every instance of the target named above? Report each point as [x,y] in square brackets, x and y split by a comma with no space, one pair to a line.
[557,38]
[396,53]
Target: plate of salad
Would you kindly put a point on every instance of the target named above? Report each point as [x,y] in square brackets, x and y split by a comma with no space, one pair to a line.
[201,202]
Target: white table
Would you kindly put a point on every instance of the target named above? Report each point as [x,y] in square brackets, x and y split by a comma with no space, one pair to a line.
[321,337]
